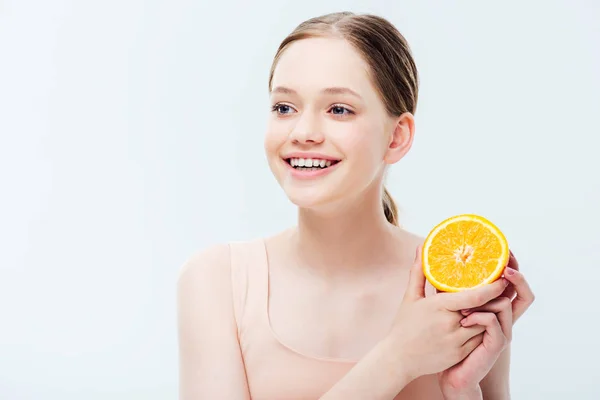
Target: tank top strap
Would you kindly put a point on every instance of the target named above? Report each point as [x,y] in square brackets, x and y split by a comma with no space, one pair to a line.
[250,281]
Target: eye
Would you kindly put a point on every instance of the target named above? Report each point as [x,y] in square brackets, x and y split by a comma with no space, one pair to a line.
[340,110]
[282,109]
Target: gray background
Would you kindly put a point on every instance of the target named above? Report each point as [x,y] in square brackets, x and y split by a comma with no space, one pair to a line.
[131,136]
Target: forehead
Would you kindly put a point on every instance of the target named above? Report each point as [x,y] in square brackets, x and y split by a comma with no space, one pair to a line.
[316,63]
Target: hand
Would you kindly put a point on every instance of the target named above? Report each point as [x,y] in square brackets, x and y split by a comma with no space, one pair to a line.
[498,317]
[519,287]
[427,334]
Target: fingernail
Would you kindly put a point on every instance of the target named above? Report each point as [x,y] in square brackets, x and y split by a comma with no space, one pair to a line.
[463,321]
[510,271]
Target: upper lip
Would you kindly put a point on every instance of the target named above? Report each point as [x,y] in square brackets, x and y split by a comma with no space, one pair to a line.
[309,155]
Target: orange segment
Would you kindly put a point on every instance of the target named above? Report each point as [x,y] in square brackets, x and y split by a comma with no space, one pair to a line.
[463,252]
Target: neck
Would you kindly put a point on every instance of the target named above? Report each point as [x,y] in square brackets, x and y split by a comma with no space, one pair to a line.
[345,239]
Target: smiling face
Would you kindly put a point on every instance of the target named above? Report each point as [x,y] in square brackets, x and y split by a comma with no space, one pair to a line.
[329,136]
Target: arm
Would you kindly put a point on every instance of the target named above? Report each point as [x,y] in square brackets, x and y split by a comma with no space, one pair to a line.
[495,385]
[424,337]
[210,361]
[211,364]
[375,377]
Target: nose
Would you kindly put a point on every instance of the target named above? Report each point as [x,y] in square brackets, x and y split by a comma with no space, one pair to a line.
[307,130]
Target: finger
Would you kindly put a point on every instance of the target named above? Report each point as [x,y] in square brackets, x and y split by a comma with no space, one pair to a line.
[514,264]
[493,329]
[471,345]
[512,261]
[416,281]
[472,298]
[464,334]
[502,307]
[525,296]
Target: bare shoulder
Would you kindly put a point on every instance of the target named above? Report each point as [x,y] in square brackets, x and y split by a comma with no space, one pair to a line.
[204,291]
[210,360]
[209,265]
[411,241]
[412,238]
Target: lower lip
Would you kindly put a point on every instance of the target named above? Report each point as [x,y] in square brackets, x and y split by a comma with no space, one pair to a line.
[296,173]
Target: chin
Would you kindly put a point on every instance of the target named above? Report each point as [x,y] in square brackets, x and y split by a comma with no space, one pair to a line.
[310,197]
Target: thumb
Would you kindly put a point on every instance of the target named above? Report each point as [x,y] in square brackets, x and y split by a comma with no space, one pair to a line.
[416,282]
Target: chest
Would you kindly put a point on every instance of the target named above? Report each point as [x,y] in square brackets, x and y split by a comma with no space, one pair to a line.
[341,321]
[305,378]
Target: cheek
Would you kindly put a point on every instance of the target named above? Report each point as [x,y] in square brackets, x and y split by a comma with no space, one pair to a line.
[275,137]
[362,145]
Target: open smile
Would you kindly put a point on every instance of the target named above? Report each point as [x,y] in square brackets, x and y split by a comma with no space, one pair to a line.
[306,168]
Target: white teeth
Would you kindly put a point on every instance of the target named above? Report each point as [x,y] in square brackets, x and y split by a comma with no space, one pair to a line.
[310,162]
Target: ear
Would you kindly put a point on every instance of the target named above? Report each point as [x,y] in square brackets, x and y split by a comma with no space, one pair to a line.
[401,138]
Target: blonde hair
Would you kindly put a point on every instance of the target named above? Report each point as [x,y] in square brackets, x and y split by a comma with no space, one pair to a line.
[388,55]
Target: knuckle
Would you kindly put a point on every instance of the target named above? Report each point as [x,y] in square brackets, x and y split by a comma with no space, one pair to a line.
[518,276]
[488,318]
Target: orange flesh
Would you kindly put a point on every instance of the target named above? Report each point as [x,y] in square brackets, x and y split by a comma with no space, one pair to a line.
[465,253]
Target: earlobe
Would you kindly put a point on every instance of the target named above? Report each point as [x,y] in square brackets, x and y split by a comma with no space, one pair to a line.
[401,138]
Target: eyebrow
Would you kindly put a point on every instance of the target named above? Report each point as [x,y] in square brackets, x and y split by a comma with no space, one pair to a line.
[329,90]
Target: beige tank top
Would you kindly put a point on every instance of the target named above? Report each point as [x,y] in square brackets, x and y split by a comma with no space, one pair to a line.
[274,370]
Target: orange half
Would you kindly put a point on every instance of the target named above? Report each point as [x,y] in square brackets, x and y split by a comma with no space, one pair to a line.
[464,252]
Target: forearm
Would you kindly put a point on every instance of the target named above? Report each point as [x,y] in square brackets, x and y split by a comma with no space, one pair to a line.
[474,393]
[377,376]
[496,385]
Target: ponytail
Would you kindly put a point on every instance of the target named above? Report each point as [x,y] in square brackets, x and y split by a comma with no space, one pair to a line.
[389,208]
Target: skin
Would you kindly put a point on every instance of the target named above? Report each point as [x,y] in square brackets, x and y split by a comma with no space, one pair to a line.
[489,363]
[341,226]
[344,283]
[340,216]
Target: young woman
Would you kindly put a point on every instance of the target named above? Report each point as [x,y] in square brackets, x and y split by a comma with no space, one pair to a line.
[337,307]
